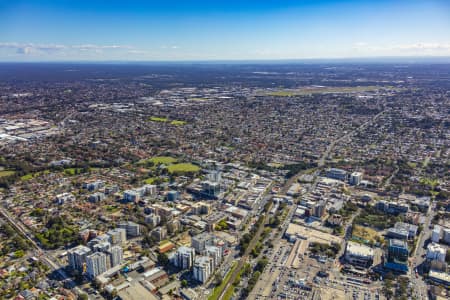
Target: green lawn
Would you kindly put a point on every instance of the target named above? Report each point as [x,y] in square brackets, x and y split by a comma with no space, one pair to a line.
[6,173]
[178,122]
[158,119]
[218,289]
[167,160]
[150,180]
[27,177]
[183,168]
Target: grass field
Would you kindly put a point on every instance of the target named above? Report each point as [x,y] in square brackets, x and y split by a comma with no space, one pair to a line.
[6,173]
[183,168]
[323,90]
[158,119]
[218,289]
[166,120]
[150,180]
[178,123]
[366,233]
[26,177]
[167,160]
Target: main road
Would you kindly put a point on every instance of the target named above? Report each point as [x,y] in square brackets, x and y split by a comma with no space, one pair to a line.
[41,253]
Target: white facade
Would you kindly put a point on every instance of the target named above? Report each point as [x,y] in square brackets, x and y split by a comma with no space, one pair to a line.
[358,254]
[215,253]
[436,252]
[96,264]
[117,236]
[436,234]
[116,255]
[184,257]
[77,257]
[202,268]
[356,178]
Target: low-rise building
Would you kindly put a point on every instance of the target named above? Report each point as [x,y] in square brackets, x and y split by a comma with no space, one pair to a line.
[359,255]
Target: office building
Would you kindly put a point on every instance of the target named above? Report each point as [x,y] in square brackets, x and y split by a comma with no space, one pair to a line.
[184,257]
[153,220]
[211,189]
[202,268]
[117,236]
[359,255]
[402,231]
[397,256]
[104,246]
[116,254]
[172,195]
[338,174]
[159,233]
[446,236]
[77,257]
[200,241]
[96,264]
[215,253]
[131,196]
[436,234]
[356,178]
[132,229]
[436,252]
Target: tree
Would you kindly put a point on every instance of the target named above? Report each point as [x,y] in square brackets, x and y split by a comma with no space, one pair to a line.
[163,260]
[184,283]
[83,297]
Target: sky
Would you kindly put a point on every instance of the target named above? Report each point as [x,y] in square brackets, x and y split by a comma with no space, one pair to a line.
[169,30]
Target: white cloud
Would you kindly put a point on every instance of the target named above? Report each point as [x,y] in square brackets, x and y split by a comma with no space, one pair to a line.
[40,49]
[405,49]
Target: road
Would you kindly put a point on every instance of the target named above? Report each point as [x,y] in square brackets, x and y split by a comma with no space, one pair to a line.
[42,254]
[418,285]
[245,257]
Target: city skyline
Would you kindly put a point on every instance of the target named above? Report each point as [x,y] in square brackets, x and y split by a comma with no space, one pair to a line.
[232,30]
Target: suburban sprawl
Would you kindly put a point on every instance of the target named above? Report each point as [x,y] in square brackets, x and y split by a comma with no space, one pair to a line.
[217,182]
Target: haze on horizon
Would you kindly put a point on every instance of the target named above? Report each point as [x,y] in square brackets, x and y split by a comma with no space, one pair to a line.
[99,30]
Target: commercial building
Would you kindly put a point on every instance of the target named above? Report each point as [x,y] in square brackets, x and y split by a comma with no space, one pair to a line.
[184,257]
[117,236]
[397,256]
[132,229]
[393,208]
[439,277]
[446,236]
[96,264]
[131,196]
[159,233]
[338,174]
[402,231]
[77,257]
[436,234]
[203,268]
[116,256]
[173,195]
[359,255]
[153,219]
[215,253]
[436,252]
[199,242]
[211,189]
[356,178]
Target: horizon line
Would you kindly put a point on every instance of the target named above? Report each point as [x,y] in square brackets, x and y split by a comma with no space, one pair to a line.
[374,59]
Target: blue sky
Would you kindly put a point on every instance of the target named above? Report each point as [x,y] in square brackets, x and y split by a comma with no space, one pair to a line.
[54,30]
